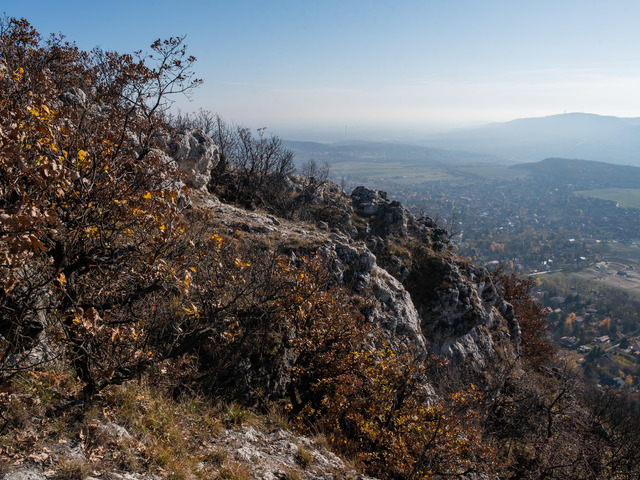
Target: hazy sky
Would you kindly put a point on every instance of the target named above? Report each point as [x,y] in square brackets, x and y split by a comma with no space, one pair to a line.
[390,64]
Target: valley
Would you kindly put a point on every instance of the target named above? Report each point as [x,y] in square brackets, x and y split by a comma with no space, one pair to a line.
[573,225]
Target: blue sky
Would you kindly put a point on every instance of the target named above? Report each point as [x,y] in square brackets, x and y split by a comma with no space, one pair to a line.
[299,66]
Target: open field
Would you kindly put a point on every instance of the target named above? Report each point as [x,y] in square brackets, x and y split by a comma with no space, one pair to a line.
[624,253]
[400,164]
[402,173]
[622,276]
[625,197]
[491,171]
[410,172]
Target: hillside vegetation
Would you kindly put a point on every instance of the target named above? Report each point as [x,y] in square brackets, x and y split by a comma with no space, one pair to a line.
[166,301]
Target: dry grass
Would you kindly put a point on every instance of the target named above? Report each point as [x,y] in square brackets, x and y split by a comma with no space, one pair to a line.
[236,414]
[277,416]
[304,458]
[293,474]
[153,432]
[131,428]
[73,469]
[232,470]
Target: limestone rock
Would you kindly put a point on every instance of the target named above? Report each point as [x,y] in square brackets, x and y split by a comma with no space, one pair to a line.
[396,312]
[385,217]
[462,311]
[195,155]
[74,97]
[25,474]
[275,454]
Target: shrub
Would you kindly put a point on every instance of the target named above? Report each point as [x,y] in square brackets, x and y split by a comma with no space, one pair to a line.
[536,350]
[81,196]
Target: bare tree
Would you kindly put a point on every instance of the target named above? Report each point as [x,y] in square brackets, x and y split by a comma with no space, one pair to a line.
[314,172]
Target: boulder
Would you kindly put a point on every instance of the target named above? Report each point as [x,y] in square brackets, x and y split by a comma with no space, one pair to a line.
[384,217]
[74,97]
[195,155]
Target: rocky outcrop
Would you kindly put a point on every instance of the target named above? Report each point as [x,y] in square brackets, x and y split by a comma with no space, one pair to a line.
[37,348]
[277,454]
[355,263]
[462,315]
[74,97]
[195,155]
[395,310]
[384,217]
[391,305]
[428,299]
[263,453]
[459,312]
[190,150]
[32,473]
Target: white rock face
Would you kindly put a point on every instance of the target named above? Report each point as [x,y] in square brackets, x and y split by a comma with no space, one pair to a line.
[195,155]
[273,454]
[464,316]
[397,313]
[25,474]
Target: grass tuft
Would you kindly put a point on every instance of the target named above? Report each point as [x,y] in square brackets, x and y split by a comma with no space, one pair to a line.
[303,456]
[71,470]
[236,414]
[233,470]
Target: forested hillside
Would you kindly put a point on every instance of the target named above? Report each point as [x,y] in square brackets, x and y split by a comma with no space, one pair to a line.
[176,302]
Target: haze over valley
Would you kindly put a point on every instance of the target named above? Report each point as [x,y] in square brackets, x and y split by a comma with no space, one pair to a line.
[572,135]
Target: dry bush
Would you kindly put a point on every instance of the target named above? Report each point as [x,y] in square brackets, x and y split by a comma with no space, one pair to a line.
[536,349]
[81,197]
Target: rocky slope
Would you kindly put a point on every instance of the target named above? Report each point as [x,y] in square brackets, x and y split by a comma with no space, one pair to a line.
[418,293]
[257,453]
[429,298]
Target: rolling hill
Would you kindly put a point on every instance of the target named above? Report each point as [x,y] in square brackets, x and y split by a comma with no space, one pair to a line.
[599,174]
[571,135]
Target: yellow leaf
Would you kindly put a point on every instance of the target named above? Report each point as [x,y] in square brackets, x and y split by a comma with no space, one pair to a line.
[191,311]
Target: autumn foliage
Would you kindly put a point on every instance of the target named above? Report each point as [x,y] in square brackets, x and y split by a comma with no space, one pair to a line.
[536,349]
[82,195]
[107,271]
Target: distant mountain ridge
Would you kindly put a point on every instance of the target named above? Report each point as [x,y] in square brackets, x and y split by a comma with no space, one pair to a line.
[570,135]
